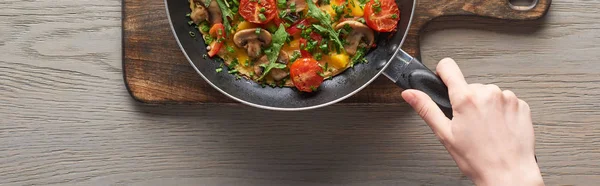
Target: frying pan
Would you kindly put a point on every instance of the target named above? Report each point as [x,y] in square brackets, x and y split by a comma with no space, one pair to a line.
[387,58]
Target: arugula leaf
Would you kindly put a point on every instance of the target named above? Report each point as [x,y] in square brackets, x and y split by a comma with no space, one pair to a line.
[273,51]
[326,23]
[227,14]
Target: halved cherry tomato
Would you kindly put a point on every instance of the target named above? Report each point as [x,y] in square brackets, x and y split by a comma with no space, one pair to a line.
[305,74]
[294,28]
[382,15]
[217,31]
[258,11]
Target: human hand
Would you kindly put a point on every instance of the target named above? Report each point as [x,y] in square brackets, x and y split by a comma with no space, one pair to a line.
[490,137]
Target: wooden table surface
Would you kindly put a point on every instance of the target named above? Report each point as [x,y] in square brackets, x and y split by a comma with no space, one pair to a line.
[67,119]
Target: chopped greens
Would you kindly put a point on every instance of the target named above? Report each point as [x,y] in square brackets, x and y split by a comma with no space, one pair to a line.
[282,4]
[273,51]
[358,57]
[295,56]
[204,27]
[326,23]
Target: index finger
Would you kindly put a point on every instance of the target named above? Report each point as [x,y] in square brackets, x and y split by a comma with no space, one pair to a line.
[451,75]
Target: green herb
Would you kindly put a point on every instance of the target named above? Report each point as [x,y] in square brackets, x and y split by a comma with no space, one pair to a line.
[325,2]
[219,69]
[321,74]
[257,31]
[293,6]
[318,56]
[295,56]
[247,62]
[233,63]
[262,10]
[251,74]
[306,33]
[376,6]
[188,15]
[230,49]
[236,2]
[358,57]
[204,56]
[204,27]
[323,47]
[324,67]
[237,76]
[233,71]
[313,88]
[362,3]
[262,17]
[190,23]
[282,4]
[361,20]
[325,20]
[226,14]
[394,16]
[273,52]
[192,34]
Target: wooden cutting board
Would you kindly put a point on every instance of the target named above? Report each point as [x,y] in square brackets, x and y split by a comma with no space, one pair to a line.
[156,71]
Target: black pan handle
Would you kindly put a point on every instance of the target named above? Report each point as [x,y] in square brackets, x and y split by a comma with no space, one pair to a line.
[409,73]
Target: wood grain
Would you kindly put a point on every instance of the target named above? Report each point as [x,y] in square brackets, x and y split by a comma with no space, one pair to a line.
[156,71]
[66,119]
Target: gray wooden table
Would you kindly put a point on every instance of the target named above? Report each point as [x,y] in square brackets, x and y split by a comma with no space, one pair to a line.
[66,118]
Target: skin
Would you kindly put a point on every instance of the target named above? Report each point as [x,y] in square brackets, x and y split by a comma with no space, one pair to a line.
[490,137]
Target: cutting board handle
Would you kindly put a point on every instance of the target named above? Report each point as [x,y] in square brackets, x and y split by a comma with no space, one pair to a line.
[426,11]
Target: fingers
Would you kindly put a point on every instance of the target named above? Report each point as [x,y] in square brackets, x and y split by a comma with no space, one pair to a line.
[448,70]
[429,111]
[511,99]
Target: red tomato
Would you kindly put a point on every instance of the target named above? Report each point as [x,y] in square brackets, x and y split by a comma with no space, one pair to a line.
[294,28]
[305,74]
[382,15]
[217,31]
[251,10]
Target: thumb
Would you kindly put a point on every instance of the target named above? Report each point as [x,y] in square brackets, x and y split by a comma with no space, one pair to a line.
[429,111]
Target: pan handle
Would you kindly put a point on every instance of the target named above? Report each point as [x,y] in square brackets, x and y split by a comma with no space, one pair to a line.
[409,73]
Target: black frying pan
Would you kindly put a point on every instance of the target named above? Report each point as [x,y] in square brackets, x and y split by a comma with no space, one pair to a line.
[405,71]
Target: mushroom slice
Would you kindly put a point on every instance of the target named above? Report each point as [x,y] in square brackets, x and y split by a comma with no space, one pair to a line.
[300,5]
[199,14]
[276,74]
[252,39]
[203,13]
[215,12]
[361,35]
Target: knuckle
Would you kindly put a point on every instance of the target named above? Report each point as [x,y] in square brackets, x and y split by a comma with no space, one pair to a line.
[466,97]
[494,88]
[524,105]
[509,96]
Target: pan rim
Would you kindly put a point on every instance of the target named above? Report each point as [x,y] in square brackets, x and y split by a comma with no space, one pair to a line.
[297,108]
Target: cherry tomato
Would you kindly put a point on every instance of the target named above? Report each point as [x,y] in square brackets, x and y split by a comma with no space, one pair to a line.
[294,28]
[305,74]
[217,31]
[382,15]
[258,11]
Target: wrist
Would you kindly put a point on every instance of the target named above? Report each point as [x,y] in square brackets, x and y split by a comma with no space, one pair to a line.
[526,175]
